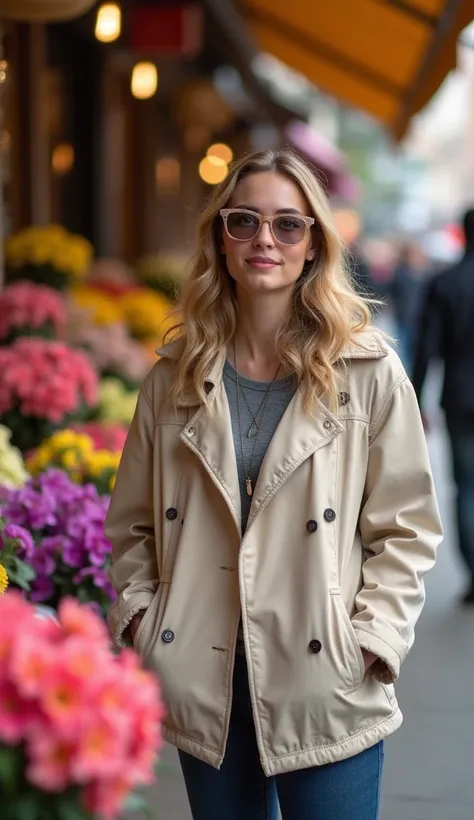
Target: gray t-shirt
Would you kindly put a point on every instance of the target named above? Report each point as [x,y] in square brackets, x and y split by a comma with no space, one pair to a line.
[267,417]
[268,420]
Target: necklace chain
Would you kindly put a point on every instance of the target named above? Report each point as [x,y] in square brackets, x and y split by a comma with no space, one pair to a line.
[263,405]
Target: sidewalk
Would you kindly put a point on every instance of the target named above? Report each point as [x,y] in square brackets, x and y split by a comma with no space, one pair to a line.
[428,773]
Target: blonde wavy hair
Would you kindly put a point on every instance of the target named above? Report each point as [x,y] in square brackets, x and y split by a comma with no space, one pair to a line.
[327,313]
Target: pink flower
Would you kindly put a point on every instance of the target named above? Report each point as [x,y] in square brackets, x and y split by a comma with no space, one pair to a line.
[86,717]
[16,715]
[24,304]
[62,699]
[81,621]
[31,663]
[50,761]
[99,752]
[46,380]
[105,798]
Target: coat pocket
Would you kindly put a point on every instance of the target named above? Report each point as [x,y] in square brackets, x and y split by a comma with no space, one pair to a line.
[356,656]
[146,628]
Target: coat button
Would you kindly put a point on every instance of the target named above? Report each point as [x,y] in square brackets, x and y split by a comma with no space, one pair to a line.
[191,431]
[329,515]
[311,525]
[327,424]
[167,636]
[171,514]
[315,647]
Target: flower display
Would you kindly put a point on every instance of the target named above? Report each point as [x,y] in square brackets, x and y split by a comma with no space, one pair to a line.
[76,453]
[27,309]
[162,272]
[43,386]
[98,306]
[147,313]
[116,402]
[112,350]
[16,552]
[106,435]
[111,276]
[12,467]
[80,726]
[69,551]
[47,254]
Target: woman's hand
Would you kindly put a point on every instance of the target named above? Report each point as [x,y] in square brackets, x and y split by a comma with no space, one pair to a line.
[135,623]
[369,658]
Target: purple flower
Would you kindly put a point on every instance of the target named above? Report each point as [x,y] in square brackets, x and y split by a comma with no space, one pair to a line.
[39,508]
[42,589]
[59,485]
[23,539]
[43,563]
[73,554]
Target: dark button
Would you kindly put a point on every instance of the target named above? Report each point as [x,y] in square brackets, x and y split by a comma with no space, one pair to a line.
[311,525]
[171,514]
[167,636]
[329,515]
[315,647]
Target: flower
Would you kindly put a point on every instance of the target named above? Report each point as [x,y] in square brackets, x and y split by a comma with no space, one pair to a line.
[30,309]
[146,313]
[74,452]
[48,254]
[12,468]
[3,579]
[117,404]
[86,720]
[23,538]
[97,305]
[111,349]
[43,383]
[57,527]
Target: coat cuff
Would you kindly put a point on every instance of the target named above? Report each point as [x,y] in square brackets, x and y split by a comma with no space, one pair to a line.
[386,668]
[121,613]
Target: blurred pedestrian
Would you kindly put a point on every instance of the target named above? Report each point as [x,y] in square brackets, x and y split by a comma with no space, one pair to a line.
[405,290]
[274,514]
[447,333]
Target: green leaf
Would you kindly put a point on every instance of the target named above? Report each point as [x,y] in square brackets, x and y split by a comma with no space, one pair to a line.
[10,767]
[27,808]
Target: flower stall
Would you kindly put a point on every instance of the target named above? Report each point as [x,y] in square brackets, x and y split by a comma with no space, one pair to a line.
[77,338]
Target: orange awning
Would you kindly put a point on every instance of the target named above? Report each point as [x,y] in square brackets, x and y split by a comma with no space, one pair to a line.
[386,57]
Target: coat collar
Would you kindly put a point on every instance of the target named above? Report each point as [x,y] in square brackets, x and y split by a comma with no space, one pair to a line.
[368,345]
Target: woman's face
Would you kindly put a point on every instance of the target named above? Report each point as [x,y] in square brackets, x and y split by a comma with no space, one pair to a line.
[263,264]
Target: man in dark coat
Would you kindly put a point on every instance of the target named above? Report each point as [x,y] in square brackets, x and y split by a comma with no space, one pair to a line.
[447,333]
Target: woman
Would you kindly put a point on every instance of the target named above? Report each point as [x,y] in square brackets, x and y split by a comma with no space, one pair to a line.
[274,514]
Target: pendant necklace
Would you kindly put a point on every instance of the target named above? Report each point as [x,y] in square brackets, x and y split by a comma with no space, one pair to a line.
[263,405]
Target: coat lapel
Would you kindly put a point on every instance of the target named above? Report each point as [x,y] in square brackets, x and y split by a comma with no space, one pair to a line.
[296,438]
[209,435]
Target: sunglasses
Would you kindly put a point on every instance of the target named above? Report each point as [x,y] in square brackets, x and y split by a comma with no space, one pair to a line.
[286,229]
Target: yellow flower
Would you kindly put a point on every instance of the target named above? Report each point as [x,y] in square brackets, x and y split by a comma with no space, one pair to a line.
[116,402]
[3,579]
[146,312]
[71,460]
[104,309]
[12,469]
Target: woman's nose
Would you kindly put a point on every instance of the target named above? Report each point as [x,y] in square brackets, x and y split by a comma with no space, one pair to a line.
[264,235]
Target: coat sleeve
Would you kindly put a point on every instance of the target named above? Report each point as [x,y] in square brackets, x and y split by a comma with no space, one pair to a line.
[400,528]
[130,524]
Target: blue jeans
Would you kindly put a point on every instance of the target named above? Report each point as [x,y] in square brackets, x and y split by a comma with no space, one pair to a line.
[347,790]
[461,434]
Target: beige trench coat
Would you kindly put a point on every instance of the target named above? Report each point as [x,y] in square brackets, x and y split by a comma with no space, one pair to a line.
[344,524]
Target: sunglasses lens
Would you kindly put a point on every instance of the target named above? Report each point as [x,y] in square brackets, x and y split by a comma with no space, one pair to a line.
[289,230]
[242,225]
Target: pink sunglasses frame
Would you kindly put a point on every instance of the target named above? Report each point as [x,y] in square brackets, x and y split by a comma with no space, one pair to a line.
[308,223]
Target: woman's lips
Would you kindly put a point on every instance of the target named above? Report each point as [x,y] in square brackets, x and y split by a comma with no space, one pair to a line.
[261,262]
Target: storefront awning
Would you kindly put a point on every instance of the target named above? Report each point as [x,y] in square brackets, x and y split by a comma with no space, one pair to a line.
[325,156]
[386,57]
